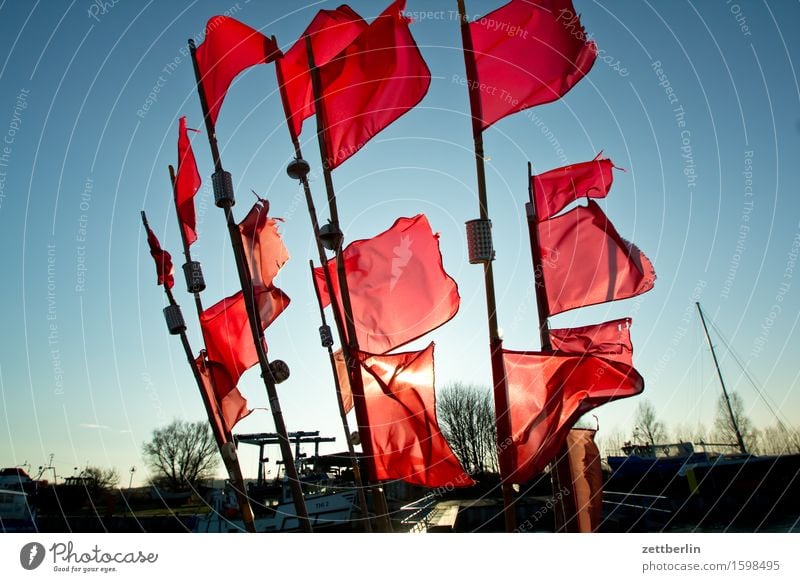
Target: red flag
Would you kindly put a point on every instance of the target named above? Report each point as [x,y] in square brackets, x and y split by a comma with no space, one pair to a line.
[610,340]
[547,393]
[526,54]
[163,259]
[226,329]
[401,410]
[587,478]
[399,289]
[263,245]
[585,261]
[229,48]
[330,32]
[555,189]
[228,404]
[187,183]
[376,79]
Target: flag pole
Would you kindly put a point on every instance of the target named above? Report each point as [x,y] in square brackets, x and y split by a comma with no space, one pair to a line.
[335,238]
[500,385]
[195,284]
[224,198]
[327,341]
[560,472]
[227,449]
[298,169]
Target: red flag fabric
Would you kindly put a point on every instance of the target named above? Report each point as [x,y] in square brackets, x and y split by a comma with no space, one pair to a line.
[229,48]
[610,340]
[401,409]
[263,245]
[164,269]
[228,404]
[585,261]
[526,54]
[187,183]
[376,79]
[226,329]
[587,478]
[547,393]
[399,289]
[555,189]
[330,32]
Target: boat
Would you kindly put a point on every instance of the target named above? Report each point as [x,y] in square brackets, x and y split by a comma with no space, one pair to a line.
[687,485]
[17,515]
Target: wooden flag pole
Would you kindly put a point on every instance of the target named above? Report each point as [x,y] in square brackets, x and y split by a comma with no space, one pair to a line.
[232,465]
[225,444]
[299,169]
[349,347]
[564,509]
[500,386]
[362,498]
[223,193]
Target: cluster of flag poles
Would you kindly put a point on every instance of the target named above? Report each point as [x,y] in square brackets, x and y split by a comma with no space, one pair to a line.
[356,78]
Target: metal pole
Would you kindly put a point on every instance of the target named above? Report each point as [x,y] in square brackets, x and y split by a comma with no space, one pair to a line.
[254,316]
[739,439]
[500,386]
[560,473]
[350,347]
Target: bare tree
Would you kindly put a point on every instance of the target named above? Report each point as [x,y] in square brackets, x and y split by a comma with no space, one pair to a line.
[648,427]
[181,454]
[780,440]
[100,479]
[725,429]
[466,417]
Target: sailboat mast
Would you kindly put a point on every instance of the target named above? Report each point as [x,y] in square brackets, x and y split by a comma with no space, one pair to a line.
[739,439]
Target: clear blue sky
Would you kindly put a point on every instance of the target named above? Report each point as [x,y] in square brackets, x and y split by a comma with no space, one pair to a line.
[87,369]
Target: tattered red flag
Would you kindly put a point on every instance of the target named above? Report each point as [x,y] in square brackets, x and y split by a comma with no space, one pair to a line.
[344,380]
[547,393]
[526,54]
[163,259]
[263,245]
[401,412]
[399,289]
[585,261]
[187,183]
[226,329]
[375,80]
[228,404]
[555,189]
[610,340]
[229,48]
[587,478]
[330,32]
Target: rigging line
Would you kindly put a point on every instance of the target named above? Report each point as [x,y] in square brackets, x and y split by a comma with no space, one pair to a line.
[764,397]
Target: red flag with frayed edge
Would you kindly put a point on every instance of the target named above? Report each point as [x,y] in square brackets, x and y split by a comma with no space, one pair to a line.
[401,412]
[526,54]
[263,245]
[547,393]
[399,289]
[585,261]
[226,329]
[187,183]
[228,404]
[555,189]
[330,32]
[229,48]
[587,478]
[163,259]
[610,340]
[375,80]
